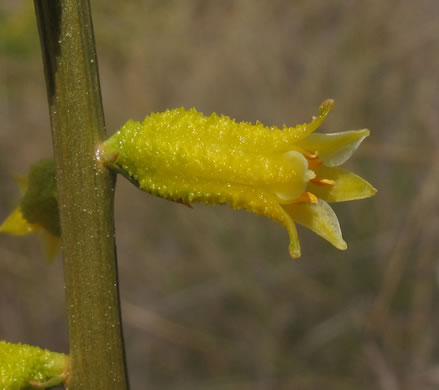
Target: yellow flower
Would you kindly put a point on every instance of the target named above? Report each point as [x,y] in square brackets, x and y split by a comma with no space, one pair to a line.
[38,208]
[24,367]
[286,174]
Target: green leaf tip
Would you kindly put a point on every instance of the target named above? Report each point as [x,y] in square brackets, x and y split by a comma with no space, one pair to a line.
[27,367]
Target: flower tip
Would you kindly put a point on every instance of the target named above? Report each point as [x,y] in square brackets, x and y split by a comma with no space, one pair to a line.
[368,190]
[294,251]
[15,224]
[342,245]
[326,107]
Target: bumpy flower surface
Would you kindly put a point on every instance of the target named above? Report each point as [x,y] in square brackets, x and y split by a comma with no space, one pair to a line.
[288,174]
[25,367]
[38,208]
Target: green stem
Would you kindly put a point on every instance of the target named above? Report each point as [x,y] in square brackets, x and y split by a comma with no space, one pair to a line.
[85,195]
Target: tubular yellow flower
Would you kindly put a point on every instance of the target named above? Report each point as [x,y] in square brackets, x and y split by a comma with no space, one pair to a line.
[286,174]
[24,367]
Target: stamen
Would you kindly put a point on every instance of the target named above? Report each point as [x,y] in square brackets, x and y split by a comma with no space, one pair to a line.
[306,197]
[311,155]
[313,158]
[314,163]
[322,182]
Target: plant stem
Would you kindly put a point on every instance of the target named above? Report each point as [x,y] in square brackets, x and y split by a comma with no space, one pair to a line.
[85,195]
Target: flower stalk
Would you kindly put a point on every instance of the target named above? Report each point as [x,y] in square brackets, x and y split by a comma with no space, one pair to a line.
[85,195]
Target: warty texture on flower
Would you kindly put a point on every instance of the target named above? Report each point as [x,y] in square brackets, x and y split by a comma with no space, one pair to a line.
[288,174]
[24,367]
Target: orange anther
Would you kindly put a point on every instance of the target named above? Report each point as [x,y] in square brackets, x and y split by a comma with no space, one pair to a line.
[314,163]
[306,197]
[322,182]
[311,155]
[313,158]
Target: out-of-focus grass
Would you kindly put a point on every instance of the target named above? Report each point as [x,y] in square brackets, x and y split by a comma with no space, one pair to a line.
[211,299]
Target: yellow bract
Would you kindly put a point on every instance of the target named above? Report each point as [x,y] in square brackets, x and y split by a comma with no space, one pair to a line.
[286,174]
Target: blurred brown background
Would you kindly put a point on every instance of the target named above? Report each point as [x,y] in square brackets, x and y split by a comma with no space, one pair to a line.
[211,299]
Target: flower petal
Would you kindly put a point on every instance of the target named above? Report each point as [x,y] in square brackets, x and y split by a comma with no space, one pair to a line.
[300,132]
[347,186]
[16,224]
[289,190]
[334,149]
[51,244]
[320,218]
[294,247]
